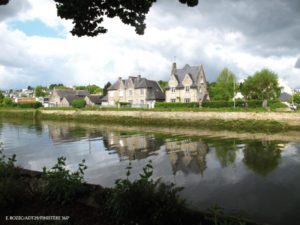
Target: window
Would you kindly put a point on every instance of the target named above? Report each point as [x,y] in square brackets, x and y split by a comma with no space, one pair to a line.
[187,100]
[130,92]
[173,89]
[187,88]
[142,91]
[173,100]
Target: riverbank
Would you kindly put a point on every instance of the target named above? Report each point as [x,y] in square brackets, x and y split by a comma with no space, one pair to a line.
[235,121]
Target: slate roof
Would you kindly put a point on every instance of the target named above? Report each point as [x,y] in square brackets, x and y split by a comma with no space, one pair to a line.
[104,98]
[96,99]
[192,71]
[139,82]
[65,93]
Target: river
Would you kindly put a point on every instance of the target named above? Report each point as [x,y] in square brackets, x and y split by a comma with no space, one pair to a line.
[255,176]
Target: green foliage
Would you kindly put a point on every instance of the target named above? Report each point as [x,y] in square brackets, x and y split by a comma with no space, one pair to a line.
[227,104]
[57,86]
[1,97]
[40,91]
[263,85]
[7,101]
[92,89]
[63,186]
[170,105]
[163,84]
[88,16]
[223,88]
[78,103]
[276,104]
[296,98]
[144,201]
[34,105]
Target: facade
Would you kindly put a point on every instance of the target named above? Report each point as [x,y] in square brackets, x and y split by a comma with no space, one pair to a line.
[187,85]
[138,91]
[63,98]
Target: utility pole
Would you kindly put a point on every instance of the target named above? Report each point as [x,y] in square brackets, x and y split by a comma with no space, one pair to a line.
[233,93]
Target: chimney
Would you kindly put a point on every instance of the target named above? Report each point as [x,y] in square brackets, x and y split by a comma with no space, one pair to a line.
[174,68]
[139,76]
[120,78]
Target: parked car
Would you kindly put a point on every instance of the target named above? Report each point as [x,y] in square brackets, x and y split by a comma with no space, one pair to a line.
[293,106]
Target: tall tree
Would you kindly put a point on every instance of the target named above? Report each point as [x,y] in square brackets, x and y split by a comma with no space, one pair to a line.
[223,88]
[40,91]
[263,85]
[88,15]
[106,86]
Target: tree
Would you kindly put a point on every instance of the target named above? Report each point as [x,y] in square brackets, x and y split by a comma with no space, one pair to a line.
[40,91]
[88,15]
[263,85]
[223,88]
[296,98]
[92,89]
[57,86]
[3,2]
[163,84]
[1,97]
[107,85]
[78,103]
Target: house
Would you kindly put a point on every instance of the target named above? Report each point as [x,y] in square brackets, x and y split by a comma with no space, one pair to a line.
[138,91]
[187,84]
[43,100]
[64,98]
[25,100]
[93,100]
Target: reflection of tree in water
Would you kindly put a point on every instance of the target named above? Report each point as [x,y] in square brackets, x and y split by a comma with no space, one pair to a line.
[226,151]
[187,156]
[262,157]
[131,146]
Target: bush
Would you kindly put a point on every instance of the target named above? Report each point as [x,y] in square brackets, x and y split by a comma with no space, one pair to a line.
[144,201]
[62,186]
[34,105]
[78,103]
[170,105]
[230,104]
[7,101]
[276,104]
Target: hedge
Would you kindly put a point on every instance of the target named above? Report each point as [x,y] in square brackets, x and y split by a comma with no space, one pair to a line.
[34,105]
[229,104]
[170,105]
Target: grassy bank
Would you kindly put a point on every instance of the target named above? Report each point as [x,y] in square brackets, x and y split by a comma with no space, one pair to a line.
[247,125]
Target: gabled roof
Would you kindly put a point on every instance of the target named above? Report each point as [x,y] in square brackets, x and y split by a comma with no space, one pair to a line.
[65,93]
[284,97]
[193,71]
[95,98]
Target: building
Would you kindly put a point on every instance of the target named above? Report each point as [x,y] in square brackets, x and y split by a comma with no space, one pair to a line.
[138,91]
[25,100]
[64,98]
[93,100]
[187,85]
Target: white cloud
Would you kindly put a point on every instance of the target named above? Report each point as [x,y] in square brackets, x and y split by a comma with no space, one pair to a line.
[32,60]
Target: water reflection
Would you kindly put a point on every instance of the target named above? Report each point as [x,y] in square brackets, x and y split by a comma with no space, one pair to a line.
[262,157]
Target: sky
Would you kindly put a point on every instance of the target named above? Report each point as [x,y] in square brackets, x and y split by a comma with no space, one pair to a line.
[36,47]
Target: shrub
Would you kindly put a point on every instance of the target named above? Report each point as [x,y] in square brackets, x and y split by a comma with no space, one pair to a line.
[230,104]
[7,101]
[62,186]
[144,201]
[170,105]
[276,104]
[78,103]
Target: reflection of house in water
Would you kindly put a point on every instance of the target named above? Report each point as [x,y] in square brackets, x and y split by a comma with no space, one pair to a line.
[131,146]
[187,156]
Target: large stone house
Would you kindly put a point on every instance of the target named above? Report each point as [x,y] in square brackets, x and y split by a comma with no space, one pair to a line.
[64,98]
[138,91]
[187,85]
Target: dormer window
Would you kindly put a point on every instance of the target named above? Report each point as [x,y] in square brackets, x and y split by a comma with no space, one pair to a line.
[173,89]
[187,89]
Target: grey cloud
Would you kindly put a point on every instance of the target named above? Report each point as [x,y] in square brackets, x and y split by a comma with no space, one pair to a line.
[297,65]
[13,8]
[271,27]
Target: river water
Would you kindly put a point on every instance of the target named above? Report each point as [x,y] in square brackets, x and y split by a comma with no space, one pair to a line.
[257,177]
